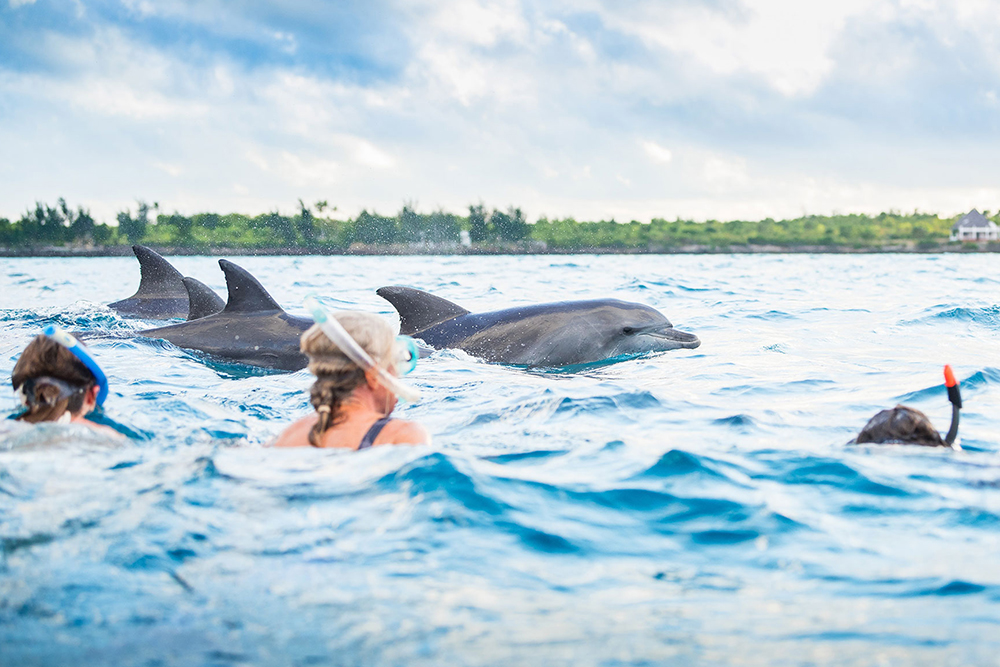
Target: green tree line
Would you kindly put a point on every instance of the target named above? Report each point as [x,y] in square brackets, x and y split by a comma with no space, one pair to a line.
[837,230]
[313,226]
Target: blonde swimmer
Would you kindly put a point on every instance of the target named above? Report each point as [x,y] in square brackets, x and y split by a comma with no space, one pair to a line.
[357,361]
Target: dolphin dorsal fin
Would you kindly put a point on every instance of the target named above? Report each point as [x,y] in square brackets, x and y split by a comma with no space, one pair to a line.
[158,278]
[419,310]
[246,294]
[202,299]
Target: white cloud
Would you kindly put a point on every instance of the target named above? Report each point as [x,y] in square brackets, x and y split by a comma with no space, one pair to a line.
[288,42]
[465,77]
[117,77]
[257,160]
[305,171]
[657,153]
[477,22]
[725,174]
[171,169]
[526,103]
[784,41]
[367,154]
[14,4]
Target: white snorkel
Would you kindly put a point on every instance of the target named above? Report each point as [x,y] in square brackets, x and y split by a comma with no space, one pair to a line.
[339,336]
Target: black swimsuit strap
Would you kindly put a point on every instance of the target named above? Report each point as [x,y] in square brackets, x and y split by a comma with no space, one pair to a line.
[373,432]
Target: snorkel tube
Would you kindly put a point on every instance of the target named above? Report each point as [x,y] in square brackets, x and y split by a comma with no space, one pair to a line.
[339,336]
[73,345]
[955,396]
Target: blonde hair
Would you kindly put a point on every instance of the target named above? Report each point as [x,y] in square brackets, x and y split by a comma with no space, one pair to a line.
[336,375]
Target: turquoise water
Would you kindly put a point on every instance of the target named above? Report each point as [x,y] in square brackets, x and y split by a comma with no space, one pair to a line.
[696,506]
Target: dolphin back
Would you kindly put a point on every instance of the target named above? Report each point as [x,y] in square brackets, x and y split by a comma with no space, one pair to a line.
[246,294]
[419,310]
[159,279]
[251,329]
[161,292]
[202,300]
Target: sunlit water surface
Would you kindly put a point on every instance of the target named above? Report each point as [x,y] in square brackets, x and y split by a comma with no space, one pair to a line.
[691,506]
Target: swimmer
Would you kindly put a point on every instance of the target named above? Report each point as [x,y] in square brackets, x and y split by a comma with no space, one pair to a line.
[57,380]
[356,384]
[903,425]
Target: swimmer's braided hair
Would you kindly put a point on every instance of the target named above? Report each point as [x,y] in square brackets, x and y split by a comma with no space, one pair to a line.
[327,394]
[336,375]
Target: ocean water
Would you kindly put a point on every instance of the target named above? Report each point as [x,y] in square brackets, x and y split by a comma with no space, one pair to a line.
[690,507]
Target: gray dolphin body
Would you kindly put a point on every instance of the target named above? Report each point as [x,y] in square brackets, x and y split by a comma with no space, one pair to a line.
[549,334]
[252,328]
[162,293]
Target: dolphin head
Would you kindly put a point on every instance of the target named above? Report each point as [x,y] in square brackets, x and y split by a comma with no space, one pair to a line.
[637,328]
[582,332]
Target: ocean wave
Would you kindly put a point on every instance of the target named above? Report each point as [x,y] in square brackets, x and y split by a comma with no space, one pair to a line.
[988,316]
[817,471]
[558,516]
[970,385]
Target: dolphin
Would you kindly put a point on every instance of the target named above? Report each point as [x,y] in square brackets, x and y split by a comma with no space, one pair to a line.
[548,334]
[161,294]
[202,299]
[252,329]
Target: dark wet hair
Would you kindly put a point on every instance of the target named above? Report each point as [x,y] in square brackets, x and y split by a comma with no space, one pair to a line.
[902,425]
[52,380]
[336,375]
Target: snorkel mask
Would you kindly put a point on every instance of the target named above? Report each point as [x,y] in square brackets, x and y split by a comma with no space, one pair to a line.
[26,392]
[73,345]
[404,360]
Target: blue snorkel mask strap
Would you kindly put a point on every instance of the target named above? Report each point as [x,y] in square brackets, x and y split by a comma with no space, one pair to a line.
[407,355]
[73,345]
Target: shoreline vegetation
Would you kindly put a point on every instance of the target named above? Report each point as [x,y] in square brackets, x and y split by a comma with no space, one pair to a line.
[60,231]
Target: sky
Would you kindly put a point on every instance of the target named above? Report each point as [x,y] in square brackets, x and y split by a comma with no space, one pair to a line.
[593,109]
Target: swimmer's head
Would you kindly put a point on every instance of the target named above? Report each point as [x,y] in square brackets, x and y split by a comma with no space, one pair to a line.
[372,332]
[51,381]
[337,376]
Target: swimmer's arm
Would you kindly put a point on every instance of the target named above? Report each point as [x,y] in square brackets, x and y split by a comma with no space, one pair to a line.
[401,432]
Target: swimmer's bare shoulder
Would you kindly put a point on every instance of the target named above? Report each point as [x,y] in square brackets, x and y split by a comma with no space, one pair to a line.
[100,428]
[402,432]
[396,432]
[296,434]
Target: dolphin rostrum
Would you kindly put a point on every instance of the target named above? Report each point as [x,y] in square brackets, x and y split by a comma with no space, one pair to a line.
[252,328]
[161,294]
[548,334]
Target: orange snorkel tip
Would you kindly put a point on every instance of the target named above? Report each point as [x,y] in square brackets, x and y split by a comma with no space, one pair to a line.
[952,384]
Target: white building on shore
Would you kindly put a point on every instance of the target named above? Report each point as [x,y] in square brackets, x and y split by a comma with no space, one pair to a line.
[974,226]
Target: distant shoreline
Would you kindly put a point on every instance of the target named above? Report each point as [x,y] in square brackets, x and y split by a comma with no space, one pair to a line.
[404,250]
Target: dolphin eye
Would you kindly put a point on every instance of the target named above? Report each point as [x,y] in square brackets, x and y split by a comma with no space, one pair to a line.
[628,331]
